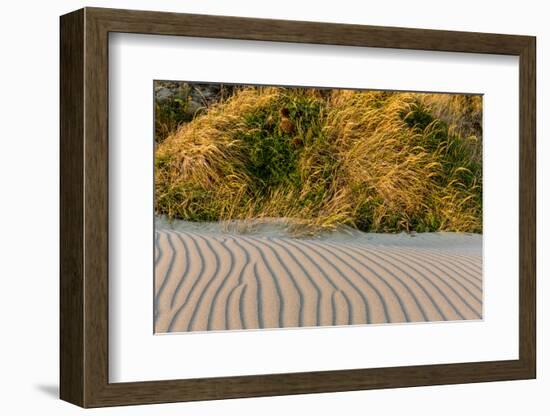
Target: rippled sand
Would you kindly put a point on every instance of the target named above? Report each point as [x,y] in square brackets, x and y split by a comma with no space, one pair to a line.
[211,280]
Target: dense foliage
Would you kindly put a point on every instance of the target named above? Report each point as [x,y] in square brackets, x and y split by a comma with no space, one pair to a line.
[378,161]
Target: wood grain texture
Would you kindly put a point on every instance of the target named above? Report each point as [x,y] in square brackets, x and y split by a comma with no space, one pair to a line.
[84,207]
[96,208]
[527,207]
[162,23]
[71,213]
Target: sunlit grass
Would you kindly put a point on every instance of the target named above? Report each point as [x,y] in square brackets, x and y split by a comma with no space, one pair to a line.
[381,162]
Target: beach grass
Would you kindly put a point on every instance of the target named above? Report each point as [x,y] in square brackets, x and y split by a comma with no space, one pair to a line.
[376,161]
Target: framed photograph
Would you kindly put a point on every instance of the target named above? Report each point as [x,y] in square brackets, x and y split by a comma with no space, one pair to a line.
[255,207]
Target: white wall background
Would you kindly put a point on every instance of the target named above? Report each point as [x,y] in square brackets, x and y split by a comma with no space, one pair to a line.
[29,160]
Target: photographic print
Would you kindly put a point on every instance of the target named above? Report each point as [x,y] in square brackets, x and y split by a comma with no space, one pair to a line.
[289,207]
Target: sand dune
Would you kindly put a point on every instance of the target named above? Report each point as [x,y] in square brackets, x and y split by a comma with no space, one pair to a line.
[216,281]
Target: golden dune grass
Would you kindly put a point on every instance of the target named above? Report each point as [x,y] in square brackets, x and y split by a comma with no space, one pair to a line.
[373,160]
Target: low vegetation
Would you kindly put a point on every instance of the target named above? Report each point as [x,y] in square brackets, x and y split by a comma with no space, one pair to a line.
[377,161]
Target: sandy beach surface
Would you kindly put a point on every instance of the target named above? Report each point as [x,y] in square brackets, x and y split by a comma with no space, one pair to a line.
[208,278]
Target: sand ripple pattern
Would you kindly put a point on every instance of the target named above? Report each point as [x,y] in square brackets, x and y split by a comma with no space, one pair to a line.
[207,282]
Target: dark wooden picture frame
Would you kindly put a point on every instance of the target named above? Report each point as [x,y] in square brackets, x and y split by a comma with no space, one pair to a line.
[84,207]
